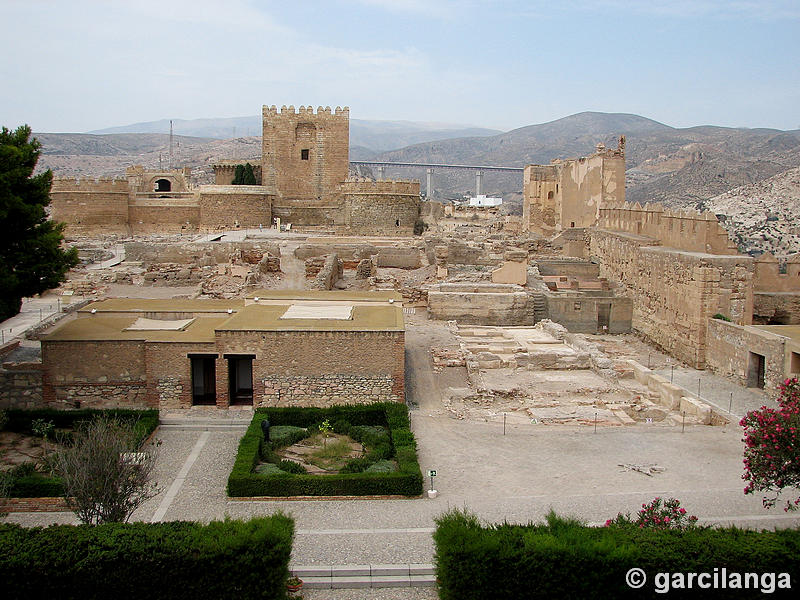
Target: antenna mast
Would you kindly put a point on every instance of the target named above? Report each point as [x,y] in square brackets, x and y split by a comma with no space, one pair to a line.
[170,144]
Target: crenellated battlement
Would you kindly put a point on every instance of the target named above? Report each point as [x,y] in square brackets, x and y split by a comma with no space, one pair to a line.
[90,184]
[687,230]
[391,186]
[268,111]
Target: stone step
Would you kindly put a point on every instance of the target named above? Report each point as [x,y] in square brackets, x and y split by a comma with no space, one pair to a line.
[206,423]
[364,576]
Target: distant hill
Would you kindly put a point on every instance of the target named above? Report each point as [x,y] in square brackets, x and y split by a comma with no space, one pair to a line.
[377,136]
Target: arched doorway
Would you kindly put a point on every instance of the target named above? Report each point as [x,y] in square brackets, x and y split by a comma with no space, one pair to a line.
[163,185]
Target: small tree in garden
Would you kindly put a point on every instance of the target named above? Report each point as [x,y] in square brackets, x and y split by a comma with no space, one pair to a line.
[772,447]
[106,475]
[658,514]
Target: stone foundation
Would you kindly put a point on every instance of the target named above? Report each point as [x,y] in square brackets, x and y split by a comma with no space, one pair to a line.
[326,390]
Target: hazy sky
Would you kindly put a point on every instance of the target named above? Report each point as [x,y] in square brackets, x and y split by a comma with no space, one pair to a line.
[78,65]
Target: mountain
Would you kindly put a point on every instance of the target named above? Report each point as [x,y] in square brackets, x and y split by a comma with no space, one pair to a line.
[762,217]
[377,136]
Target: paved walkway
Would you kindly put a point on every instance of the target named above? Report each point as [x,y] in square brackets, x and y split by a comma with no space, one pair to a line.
[718,391]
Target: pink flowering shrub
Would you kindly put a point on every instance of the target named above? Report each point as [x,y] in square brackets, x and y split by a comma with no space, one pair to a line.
[658,514]
[772,447]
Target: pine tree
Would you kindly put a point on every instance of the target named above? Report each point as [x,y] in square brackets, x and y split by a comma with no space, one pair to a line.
[31,257]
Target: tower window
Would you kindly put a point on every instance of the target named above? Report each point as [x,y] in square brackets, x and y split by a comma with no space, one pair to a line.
[304,154]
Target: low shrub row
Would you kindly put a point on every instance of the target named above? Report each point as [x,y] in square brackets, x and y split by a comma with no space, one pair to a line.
[363,423]
[564,558]
[230,559]
[25,482]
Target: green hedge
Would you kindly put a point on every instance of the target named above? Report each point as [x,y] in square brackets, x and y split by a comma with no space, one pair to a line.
[565,558]
[406,481]
[38,485]
[230,559]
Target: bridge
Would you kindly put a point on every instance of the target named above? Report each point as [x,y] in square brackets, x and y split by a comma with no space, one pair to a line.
[429,169]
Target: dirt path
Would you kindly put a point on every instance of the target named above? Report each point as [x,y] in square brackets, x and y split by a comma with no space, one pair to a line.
[294,269]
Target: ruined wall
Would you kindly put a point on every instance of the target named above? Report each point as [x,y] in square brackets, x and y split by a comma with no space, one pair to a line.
[729,353]
[579,312]
[328,275]
[768,277]
[673,292]
[233,206]
[571,267]
[325,368]
[569,193]
[381,207]
[305,155]
[192,253]
[776,308]
[480,304]
[94,374]
[683,230]
[90,205]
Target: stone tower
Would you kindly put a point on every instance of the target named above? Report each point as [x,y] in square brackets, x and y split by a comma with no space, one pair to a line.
[305,155]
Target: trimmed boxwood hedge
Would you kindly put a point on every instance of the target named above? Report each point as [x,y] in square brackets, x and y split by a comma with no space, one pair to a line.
[564,558]
[42,486]
[228,559]
[406,481]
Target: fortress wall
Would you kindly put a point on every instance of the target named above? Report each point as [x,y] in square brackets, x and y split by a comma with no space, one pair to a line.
[381,207]
[689,230]
[675,292]
[230,206]
[93,206]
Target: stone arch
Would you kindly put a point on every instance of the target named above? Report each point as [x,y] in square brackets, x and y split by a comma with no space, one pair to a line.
[162,185]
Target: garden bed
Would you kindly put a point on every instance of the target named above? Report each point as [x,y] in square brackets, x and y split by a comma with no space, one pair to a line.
[21,439]
[338,451]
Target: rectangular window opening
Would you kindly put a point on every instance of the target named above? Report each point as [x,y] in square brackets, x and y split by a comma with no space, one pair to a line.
[304,154]
[794,362]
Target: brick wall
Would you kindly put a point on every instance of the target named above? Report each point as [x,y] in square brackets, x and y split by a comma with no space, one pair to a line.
[169,374]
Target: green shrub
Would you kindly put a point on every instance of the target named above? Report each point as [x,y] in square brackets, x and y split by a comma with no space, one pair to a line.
[269,468]
[289,466]
[355,465]
[370,435]
[342,427]
[564,558]
[721,317]
[286,435]
[32,484]
[382,466]
[407,480]
[131,561]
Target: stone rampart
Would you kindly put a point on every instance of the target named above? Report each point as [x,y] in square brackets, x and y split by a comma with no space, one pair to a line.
[231,206]
[689,230]
[90,205]
[768,277]
[674,292]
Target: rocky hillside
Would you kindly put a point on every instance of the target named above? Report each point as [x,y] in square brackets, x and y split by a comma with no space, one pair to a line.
[764,216]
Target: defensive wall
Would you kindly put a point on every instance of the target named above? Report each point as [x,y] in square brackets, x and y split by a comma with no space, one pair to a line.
[91,205]
[381,207]
[674,289]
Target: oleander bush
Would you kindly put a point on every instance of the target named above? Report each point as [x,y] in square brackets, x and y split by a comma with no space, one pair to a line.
[132,561]
[383,428]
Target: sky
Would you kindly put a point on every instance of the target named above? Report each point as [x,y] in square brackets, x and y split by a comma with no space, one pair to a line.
[80,65]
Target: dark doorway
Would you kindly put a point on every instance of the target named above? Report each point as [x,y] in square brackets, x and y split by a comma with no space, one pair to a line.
[755,372]
[603,318]
[204,379]
[240,378]
[163,185]
[794,362]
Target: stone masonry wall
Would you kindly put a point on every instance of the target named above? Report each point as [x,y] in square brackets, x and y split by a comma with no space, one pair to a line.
[673,292]
[729,348]
[353,366]
[90,205]
[235,205]
[21,386]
